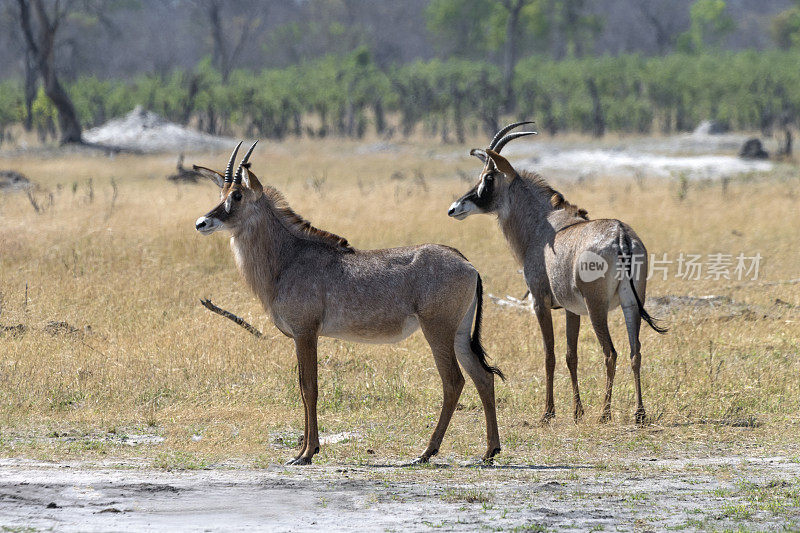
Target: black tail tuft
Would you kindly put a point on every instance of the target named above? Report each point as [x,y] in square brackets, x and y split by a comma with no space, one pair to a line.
[475,342]
[626,243]
[645,315]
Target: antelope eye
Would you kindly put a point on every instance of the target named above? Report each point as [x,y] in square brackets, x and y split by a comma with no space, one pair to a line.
[488,177]
[237,195]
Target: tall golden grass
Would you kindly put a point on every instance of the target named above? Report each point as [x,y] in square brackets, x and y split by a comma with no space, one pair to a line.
[147,357]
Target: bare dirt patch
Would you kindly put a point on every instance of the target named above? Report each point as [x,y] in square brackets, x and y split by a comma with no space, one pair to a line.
[648,494]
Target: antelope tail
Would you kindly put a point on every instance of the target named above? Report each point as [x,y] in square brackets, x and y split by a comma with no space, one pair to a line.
[475,341]
[626,249]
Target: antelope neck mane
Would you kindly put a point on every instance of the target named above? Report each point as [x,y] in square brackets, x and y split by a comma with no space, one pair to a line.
[537,184]
[298,226]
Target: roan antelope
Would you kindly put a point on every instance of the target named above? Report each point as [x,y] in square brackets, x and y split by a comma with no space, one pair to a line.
[313,283]
[584,266]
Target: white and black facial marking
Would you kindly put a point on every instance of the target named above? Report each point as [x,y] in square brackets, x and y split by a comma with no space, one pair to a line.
[218,217]
[479,199]
[484,192]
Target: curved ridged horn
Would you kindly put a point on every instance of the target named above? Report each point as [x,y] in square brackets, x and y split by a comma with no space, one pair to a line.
[245,159]
[510,137]
[505,130]
[229,168]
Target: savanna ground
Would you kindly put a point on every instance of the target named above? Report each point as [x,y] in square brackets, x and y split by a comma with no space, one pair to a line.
[121,372]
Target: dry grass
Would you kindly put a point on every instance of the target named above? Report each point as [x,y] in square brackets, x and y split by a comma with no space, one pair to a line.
[148,358]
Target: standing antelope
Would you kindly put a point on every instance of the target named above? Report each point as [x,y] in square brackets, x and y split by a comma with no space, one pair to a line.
[313,283]
[584,266]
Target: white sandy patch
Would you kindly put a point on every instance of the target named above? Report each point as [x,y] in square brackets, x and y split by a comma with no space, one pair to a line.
[147,132]
[603,162]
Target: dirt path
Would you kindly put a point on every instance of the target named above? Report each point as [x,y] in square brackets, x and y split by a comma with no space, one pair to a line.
[712,493]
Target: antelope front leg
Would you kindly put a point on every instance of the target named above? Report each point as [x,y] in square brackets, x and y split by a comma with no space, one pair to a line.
[306,348]
[304,442]
[546,325]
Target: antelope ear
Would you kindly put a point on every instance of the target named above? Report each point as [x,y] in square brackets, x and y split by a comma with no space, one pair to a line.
[501,163]
[251,180]
[213,175]
[479,153]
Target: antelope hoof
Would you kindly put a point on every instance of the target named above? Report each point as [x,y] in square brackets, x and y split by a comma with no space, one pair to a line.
[299,461]
[641,416]
[421,460]
[546,418]
[605,417]
[578,413]
[489,457]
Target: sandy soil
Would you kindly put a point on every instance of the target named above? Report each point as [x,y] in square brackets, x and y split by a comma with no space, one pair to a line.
[147,132]
[649,494]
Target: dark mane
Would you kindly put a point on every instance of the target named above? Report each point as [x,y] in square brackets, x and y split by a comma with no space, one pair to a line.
[300,226]
[557,200]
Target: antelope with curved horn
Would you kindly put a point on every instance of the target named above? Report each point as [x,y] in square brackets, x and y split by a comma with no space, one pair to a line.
[583,266]
[314,284]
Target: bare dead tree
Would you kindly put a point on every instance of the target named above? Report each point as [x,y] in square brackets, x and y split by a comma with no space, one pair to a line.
[41,46]
[225,56]
[514,8]
[662,31]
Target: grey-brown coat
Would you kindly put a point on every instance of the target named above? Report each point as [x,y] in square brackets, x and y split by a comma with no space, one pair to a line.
[586,267]
[313,283]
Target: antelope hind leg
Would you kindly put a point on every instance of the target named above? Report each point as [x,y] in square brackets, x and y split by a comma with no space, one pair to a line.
[599,317]
[633,321]
[452,382]
[484,383]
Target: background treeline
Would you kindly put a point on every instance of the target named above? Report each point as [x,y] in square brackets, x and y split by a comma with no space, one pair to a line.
[350,96]
[443,67]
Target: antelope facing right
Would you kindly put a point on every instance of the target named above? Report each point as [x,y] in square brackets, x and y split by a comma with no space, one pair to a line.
[314,284]
[583,266]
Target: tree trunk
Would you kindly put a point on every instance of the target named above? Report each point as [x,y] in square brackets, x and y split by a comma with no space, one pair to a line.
[458,116]
[31,87]
[43,51]
[380,116]
[220,57]
[786,149]
[194,88]
[510,51]
[598,121]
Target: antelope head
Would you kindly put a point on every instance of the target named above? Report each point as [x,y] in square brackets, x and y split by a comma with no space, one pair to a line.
[238,194]
[489,194]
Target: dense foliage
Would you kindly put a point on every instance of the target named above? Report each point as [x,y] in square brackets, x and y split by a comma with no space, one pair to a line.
[350,95]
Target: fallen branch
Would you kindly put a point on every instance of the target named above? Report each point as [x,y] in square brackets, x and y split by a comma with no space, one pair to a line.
[18,329]
[782,282]
[230,316]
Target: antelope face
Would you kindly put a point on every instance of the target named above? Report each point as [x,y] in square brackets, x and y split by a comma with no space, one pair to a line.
[490,193]
[238,193]
[229,212]
[485,197]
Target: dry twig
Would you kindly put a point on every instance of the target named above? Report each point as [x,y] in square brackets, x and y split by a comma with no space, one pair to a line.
[230,316]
